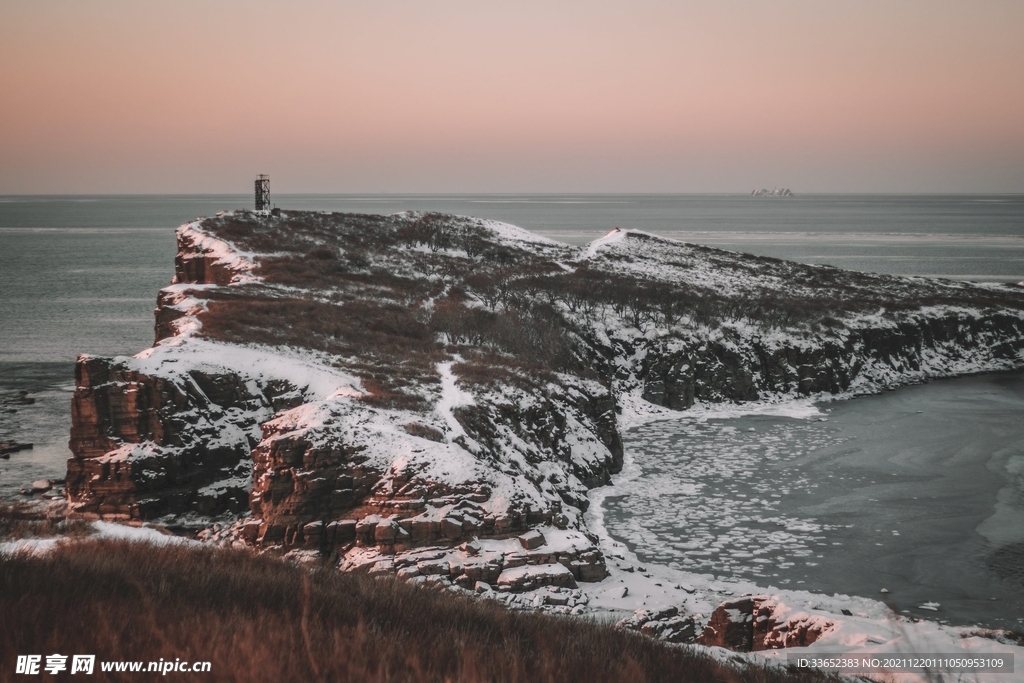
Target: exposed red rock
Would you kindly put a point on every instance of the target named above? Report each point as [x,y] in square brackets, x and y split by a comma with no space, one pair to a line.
[754,624]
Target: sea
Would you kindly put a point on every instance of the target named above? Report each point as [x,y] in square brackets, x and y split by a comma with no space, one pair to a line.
[919,491]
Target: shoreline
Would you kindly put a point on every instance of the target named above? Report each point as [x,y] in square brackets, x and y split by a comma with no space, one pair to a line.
[882,618]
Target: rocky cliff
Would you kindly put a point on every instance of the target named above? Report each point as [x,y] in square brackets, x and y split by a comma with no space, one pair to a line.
[374,386]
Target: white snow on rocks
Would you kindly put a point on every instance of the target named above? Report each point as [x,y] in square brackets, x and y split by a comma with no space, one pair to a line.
[222,252]
[308,371]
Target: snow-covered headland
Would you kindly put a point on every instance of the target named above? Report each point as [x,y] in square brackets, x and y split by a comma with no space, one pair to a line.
[442,398]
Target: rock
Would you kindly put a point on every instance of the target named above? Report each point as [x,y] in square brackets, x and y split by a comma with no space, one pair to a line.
[481,587]
[666,624]
[731,626]
[531,539]
[482,570]
[513,560]
[884,590]
[382,568]
[365,528]
[533,576]
[588,571]
[250,530]
[652,628]
[271,534]
[341,531]
[678,630]
[771,633]
[451,527]
[422,529]
[751,624]
[313,534]
[556,599]
[434,567]
[406,573]
[142,445]
[41,485]
[472,547]
[386,531]
[8,447]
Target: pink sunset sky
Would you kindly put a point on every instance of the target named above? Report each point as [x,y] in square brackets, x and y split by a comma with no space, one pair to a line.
[121,96]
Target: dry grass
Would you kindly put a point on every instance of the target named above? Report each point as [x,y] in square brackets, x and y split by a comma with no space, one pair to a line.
[259,619]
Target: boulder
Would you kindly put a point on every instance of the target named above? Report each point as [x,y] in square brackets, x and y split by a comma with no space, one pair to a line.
[451,527]
[666,624]
[532,576]
[386,531]
[250,530]
[341,531]
[753,624]
[532,539]
[772,632]
[731,626]
[365,528]
[313,534]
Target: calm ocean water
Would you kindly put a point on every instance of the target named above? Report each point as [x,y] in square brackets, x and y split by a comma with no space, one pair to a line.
[80,274]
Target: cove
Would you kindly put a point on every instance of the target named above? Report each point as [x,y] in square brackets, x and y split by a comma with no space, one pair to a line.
[918,491]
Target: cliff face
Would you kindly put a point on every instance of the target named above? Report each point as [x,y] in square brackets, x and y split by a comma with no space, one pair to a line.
[147,445]
[365,383]
[678,375]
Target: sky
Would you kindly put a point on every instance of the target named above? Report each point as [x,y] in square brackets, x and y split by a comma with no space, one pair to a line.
[121,96]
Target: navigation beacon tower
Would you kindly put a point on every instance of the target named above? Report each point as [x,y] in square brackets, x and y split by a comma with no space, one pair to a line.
[263,195]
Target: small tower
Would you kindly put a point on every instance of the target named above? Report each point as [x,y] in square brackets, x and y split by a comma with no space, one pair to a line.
[263,195]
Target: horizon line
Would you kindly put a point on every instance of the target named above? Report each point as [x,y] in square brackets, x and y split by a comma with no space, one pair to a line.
[508,194]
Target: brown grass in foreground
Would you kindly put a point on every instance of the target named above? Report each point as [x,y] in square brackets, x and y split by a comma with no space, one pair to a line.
[260,619]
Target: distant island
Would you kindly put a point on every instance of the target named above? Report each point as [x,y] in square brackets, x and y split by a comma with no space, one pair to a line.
[776,192]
